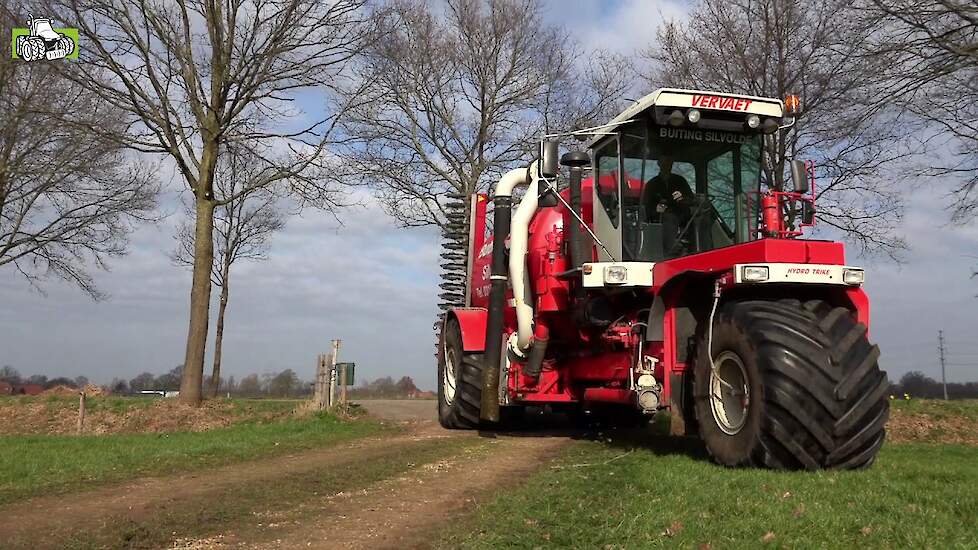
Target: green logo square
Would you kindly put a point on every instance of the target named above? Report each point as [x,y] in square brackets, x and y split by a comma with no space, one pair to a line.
[68,33]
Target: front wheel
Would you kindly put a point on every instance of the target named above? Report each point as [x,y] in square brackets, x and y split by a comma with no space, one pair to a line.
[791,386]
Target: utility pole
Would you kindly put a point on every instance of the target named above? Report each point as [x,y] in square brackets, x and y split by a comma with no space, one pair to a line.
[332,373]
[940,348]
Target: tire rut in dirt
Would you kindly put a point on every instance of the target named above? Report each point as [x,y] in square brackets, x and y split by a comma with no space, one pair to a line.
[817,397]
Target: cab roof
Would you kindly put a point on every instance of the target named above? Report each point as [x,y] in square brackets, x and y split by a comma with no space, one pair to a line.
[700,99]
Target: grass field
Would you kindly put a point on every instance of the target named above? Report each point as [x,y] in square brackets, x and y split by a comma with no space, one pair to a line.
[641,492]
[35,464]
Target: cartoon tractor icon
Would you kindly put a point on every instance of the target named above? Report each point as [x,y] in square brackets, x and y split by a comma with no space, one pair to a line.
[43,42]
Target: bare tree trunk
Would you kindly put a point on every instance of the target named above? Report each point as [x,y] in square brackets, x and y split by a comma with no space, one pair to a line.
[219,337]
[200,295]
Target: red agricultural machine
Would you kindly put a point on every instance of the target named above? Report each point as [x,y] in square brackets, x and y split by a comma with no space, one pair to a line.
[662,277]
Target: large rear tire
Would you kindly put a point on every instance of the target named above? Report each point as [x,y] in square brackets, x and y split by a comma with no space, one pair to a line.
[795,386]
[459,381]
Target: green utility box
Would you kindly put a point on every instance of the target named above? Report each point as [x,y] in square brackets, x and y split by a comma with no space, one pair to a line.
[349,368]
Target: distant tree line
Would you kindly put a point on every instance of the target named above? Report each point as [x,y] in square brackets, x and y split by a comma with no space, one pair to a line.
[285,383]
[12,376]
[918,384]
[271,384]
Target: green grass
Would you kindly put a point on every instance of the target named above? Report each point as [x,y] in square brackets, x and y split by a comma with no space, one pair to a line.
[245,407]
[31,465]
[603,496]
[647,491]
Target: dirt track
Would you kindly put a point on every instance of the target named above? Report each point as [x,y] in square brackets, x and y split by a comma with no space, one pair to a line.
[399,511]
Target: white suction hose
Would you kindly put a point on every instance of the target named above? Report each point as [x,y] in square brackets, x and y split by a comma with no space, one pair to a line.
[519,275]
[509,181]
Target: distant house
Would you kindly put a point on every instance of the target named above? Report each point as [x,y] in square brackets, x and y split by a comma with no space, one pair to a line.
[29,389]
[6,388]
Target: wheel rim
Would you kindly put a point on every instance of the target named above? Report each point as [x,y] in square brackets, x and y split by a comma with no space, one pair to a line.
[729,392]
[449,380]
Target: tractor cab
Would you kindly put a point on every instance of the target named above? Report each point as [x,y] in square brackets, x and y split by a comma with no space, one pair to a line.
[679,173]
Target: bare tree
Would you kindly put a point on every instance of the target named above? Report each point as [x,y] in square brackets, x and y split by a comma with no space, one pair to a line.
[931,48]
[454,94]
[243,225]
[68,200]
[200,74]
[813,49]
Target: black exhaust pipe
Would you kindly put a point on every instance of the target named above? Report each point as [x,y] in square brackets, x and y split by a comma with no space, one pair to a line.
[580,249]
[489,403]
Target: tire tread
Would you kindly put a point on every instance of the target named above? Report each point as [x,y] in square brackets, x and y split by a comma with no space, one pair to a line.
[823,394]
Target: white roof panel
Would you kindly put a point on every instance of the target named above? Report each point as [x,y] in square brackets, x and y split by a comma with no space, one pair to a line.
[703,100]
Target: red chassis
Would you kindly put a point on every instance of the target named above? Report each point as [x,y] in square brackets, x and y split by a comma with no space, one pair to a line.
[595,365]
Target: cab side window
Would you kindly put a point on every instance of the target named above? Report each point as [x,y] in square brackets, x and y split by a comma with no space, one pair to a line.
[606,181]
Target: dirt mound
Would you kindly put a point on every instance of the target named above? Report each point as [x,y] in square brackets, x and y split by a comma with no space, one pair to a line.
[91,390]
[921,427]
[60,391]
[55,414]
[164,415]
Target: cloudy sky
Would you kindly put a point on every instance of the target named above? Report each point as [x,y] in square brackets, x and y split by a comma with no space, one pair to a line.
[375,286]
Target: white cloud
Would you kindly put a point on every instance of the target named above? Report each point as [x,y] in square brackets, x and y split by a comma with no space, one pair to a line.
[368,283]
[624,26]
[931,291]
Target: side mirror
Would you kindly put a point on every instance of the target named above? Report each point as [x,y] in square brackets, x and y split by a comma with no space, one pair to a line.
[807,213]
[799,176]
[549,159]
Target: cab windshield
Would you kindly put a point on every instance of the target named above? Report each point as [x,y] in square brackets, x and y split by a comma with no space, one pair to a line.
[679,191]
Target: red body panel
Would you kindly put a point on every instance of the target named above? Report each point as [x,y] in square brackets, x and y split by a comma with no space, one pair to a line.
[472,322]
[608,395]
[763,250]
[594,364]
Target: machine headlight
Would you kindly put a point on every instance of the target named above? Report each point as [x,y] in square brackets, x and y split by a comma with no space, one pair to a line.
[615,275]
[853,276]
[693,115]
[755,273]
[753,121]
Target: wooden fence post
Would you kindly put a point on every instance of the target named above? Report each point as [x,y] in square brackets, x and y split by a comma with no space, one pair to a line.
[332,373]
[319,388]
[81,411]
